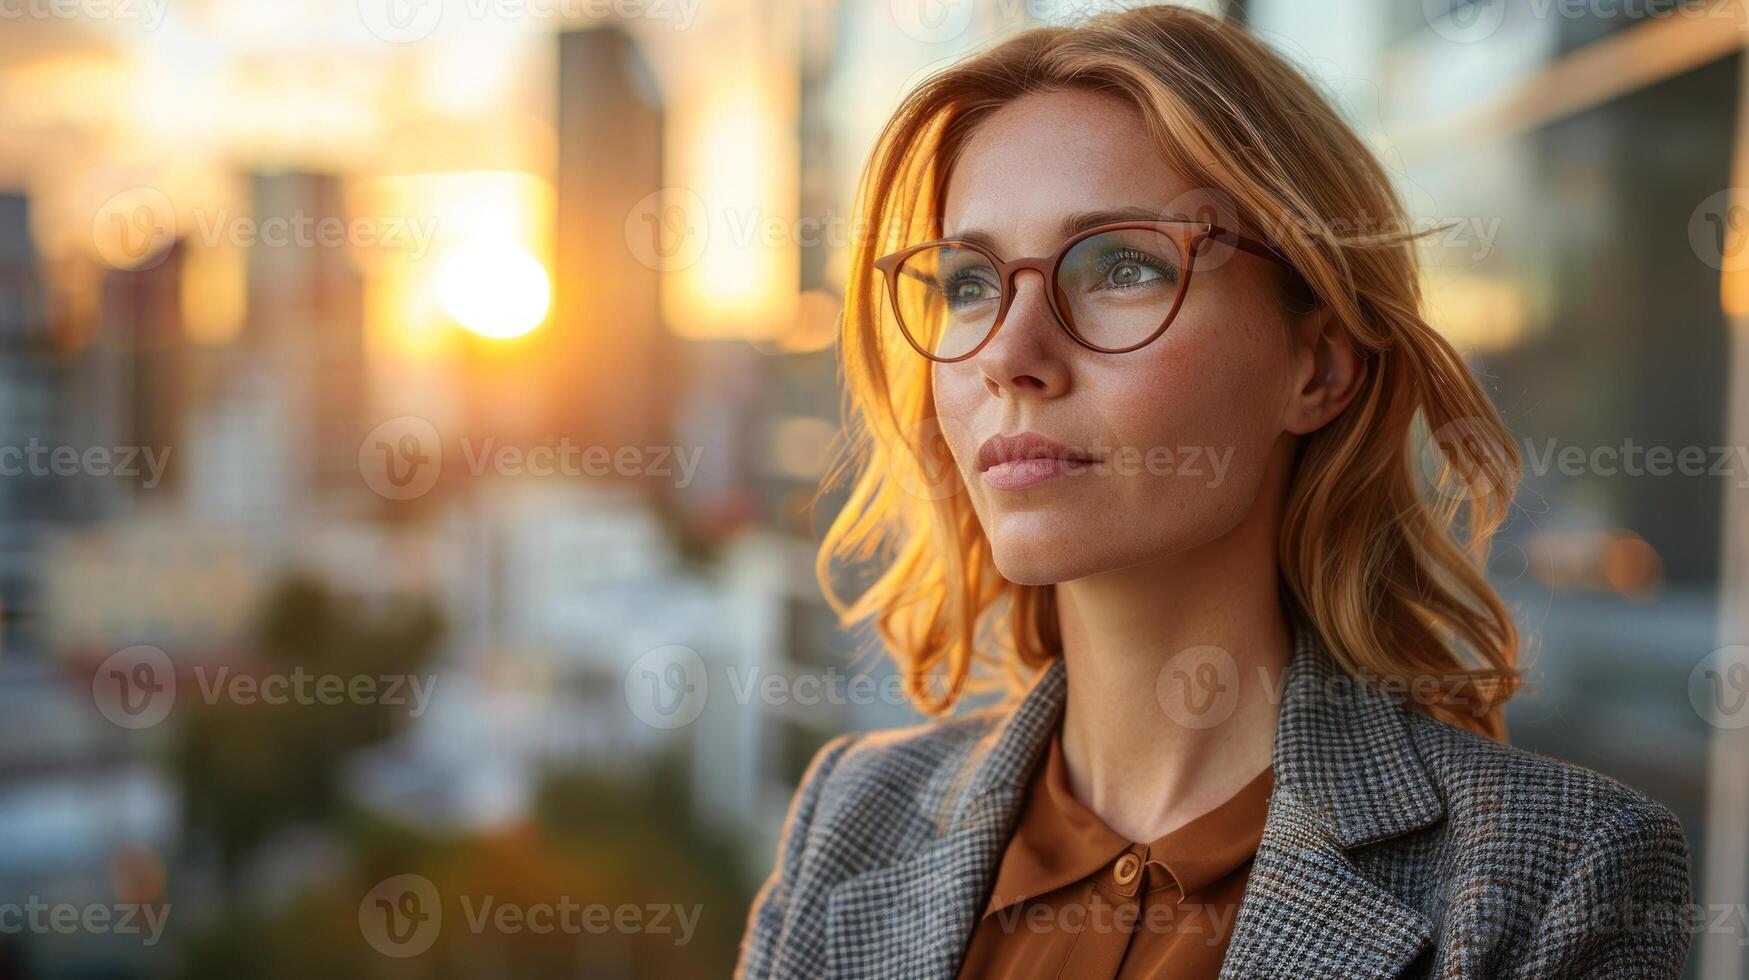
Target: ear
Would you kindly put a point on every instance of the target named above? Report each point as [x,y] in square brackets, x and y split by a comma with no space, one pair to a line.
[1327,371]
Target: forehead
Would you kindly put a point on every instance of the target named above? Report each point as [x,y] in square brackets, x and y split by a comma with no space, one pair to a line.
[1047,155]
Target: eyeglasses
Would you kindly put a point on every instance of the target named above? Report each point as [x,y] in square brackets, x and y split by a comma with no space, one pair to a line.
[1114,288]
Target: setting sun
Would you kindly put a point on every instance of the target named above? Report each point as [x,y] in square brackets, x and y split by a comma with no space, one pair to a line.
[495,290]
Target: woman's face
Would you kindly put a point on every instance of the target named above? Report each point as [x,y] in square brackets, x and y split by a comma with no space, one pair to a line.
[1185,434]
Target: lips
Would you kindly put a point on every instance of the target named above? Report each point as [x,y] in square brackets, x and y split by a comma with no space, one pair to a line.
[1027,459]
[1000,449]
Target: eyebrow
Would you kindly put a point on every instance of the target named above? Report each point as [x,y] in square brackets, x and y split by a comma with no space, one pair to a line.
[1080,221]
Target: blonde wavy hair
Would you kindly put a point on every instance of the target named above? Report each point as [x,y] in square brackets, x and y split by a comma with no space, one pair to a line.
[1386,532]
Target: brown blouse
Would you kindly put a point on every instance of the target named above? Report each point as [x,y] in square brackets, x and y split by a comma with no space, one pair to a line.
[1073,898]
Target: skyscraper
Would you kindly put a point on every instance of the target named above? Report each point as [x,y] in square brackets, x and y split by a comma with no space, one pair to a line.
[29,392]
[304,330]
[611,363]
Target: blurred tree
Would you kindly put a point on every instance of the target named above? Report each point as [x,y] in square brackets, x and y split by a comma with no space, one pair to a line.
[648,893]
[596,840]
[247,768]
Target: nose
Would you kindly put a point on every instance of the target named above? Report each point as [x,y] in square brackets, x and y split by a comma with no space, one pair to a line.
[1027,353]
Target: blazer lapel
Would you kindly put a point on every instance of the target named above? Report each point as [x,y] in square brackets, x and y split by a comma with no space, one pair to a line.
[1346,775]
[914,917]
[1309,913]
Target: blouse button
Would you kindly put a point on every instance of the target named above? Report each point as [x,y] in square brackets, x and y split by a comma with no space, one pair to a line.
[1126,869]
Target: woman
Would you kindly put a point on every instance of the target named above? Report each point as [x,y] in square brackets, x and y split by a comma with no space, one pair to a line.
[1184,509]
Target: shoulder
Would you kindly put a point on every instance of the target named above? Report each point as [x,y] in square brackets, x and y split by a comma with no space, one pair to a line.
[1548,866]
[1495,788]
[901,783]
[921,763]
[1565,839]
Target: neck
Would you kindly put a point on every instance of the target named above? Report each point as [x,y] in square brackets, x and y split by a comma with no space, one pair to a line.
[1172,669]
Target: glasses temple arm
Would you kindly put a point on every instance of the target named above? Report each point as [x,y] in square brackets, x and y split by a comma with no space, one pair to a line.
[1253,246]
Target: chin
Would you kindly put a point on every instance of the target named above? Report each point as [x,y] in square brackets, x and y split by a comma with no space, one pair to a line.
[1030,551]
[1031,571]
[1046,559]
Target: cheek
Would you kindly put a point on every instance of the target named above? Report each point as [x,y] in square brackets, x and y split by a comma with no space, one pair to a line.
[1206,384]
[958,391]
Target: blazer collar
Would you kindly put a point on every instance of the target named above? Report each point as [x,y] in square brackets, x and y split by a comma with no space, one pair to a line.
[1346,774]
[1007,761]
[1342,748]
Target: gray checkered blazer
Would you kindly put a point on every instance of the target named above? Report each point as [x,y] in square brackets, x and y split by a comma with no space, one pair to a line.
[1395,845]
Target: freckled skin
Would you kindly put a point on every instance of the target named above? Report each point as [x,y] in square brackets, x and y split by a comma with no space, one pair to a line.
[1233,378]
